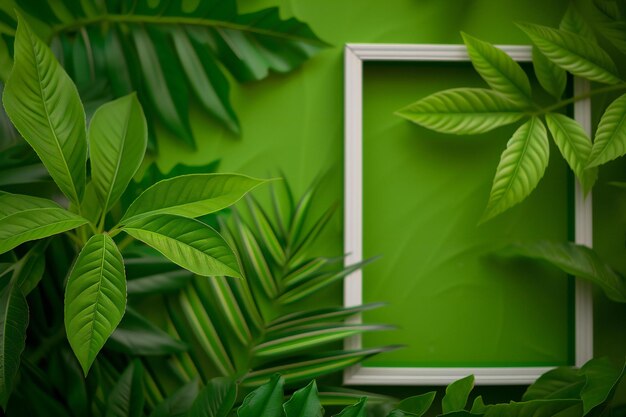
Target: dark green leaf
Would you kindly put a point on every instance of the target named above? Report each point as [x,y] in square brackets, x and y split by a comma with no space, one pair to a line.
[29,270]
[216,399]
[609,24]
[179,403]
[264,401]
[574,22]
[126,398]
[602,379]
[457,394]
[356,410]
[536,408]
[304,403]
[417,405]
[560,383]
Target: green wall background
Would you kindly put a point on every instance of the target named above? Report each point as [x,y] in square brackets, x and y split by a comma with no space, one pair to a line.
[294,123]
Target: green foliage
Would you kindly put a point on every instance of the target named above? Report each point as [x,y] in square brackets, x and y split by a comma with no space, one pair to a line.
[168,52]
[457,394]
[127,397]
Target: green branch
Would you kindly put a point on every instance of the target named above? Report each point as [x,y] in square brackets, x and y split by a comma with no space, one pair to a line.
[579,97]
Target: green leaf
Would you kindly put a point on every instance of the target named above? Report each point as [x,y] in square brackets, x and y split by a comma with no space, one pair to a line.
[552,78]
[256,258]
[43,104]
[137,336]
[478,406]
[417,405]
[230,310]
[266,401]
[266,232]
[13,324]
[575,146]
[304,403]
[187,242]
[24,218]
[521,166]
[118,136]
[560,383]
[179,403]
[29,270]
[216,399]
[355,410]
[602,379]
[95,298]
[575,260]
[6,62]
[573,53]
[609,24]
[463,111]
[536,408]
[191,195]
[574,22]
[162,283]
[499,70]
[290,321]
[457,394]
[610,140]
[126,398]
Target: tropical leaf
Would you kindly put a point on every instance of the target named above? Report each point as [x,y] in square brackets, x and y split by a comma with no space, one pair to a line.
[304,403]
[179,403]
[610,139]
[117,144]
[306,317]
[187,242]
[24,218]
[574,53]
[126,398]
[552,78]
[574,22]
[95,298]
[575,146]
[521,166]
[609,23]
[499,70]
[463,111]
[417,405]
[559,383]
[355,410]
[191,195]
[457,394]
[43,104]
[165,51]
[216,399]
[575,260]
[266,400]
[602,378]
[13,324]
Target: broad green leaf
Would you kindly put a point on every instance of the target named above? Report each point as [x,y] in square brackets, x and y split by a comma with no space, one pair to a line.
[43,104]
[266,401]
[457,394]
[95,298]
[24,218]
[478,406]
[559,383]
[463,111]
[118,136]
[126,398]
[304,403]
[29,270]
[602,379]
[216,399]
[13,324]
[521,166]
[417,405]
[191,195]
[356,410]
[575,260]
[575,146]
[574,22]
[137,336]
[608,22]
[536,408]
[610,140]
[573,53]
[187,242]
[499,70]
[552,78]
[179,403]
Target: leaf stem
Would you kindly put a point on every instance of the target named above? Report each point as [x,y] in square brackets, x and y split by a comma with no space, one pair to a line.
[571,100]
[125,242]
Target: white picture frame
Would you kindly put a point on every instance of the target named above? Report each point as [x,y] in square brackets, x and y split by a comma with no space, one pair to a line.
[355,55]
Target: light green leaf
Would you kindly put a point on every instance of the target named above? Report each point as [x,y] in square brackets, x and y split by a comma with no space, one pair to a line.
[536,408]
[457,394]
[574,22]
[610,140]
[191,195]
[521,166]
[559,383]
[575,146]
[575,260]
[301,318]
[118,136]
[552,78]
[602,379]
[24,218]
[499,70]
[187,242]
[356,410]
[13,324]
[95,298]
[266,401]
[417,405]
[43,104]
[126,399]
[463,111]
[304,403]
[267,233]
[256,258]
[216,399]
[573,53]
[224,297]
[179,403]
